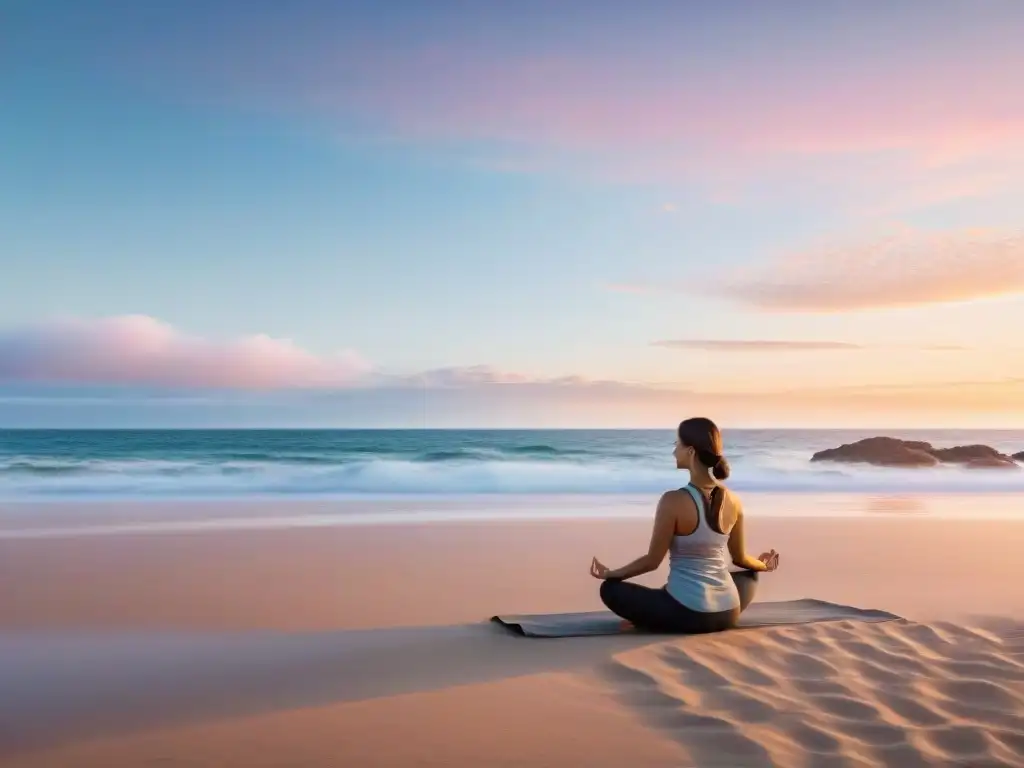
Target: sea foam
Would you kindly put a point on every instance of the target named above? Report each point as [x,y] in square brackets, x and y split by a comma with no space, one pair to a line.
[24,477]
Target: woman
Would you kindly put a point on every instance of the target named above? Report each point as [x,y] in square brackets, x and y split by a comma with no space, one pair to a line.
[701,528]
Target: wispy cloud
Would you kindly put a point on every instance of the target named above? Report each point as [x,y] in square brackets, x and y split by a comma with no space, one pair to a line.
[759,105]
[139,350]
[475,401]
[695,102]
[490,377]
[792,345]
[755,345]
[904,270]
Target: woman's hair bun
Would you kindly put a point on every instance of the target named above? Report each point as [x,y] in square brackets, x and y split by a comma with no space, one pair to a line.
[721,468]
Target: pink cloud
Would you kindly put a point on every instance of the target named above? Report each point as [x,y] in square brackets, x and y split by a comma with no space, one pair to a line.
[739,108]
[907,269]
[487,376]
[850,137]
[469,376]
[139,350]
[674,92]
[669,113]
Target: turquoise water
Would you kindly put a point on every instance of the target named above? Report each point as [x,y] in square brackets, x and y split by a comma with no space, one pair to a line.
[373,463]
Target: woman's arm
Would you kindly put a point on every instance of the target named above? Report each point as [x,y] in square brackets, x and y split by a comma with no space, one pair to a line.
[738,547]
[661,537]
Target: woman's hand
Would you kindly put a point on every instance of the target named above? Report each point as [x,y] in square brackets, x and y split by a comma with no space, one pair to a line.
[598,569]
[770,560]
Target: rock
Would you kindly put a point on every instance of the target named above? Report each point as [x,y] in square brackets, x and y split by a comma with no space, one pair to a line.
[882,452]
[967,454]
[893,452]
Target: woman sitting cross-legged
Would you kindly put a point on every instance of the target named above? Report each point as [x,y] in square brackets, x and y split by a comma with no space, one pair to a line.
[700,527]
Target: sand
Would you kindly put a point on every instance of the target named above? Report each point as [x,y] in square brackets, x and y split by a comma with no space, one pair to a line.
[368,645]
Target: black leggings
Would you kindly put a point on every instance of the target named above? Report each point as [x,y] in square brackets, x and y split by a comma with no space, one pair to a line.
[655,610]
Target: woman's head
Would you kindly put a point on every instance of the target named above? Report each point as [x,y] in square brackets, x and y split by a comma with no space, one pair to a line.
[698,441]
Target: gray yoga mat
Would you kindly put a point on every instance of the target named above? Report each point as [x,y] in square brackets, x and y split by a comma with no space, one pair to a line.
[757,615]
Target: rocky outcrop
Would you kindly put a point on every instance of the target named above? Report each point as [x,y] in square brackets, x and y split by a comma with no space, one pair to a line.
[882,452]
[1019,456]
[975,456]
[893,452]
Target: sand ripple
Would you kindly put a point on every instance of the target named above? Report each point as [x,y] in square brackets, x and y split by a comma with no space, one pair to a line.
[844,693]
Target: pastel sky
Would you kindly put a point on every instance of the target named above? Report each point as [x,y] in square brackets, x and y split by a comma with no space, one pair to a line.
[253,213]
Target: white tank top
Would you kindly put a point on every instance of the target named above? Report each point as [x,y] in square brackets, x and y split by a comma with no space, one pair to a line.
[698,575]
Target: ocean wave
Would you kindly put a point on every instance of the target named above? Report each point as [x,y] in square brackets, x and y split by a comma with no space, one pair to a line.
[545,450]
[41,468]
[457,475]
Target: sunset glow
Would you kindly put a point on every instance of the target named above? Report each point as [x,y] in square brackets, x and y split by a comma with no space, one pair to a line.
[598,215]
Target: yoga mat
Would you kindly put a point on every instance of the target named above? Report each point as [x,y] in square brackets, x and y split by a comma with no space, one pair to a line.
[775,614]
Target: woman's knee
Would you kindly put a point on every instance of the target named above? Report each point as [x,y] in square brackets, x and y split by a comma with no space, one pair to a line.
[613,595]
[608,588]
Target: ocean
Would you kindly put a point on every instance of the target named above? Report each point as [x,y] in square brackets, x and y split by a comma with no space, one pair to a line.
[68,464]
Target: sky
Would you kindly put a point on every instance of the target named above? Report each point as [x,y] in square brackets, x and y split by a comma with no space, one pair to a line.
[459,214]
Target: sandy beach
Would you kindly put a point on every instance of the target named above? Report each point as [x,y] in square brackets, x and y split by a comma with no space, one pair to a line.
[369,645]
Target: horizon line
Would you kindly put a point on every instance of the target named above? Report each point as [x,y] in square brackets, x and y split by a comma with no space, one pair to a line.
[779,428]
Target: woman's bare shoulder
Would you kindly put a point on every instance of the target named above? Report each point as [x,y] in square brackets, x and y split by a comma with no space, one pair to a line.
[678,496]
[677,502]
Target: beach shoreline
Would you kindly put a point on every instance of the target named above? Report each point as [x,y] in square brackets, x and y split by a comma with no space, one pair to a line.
[70,518]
